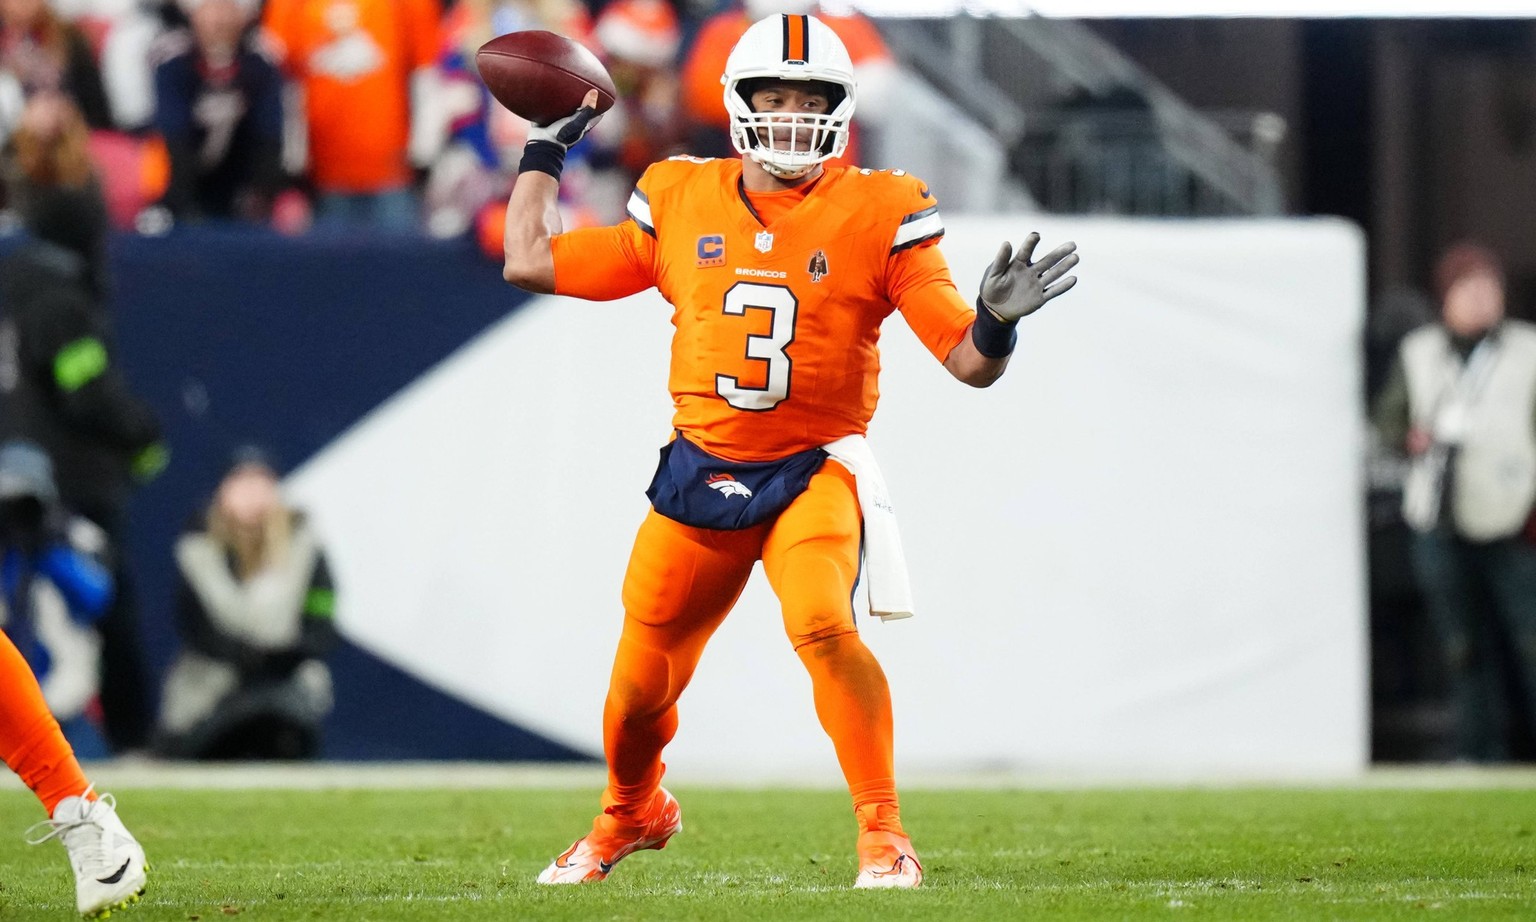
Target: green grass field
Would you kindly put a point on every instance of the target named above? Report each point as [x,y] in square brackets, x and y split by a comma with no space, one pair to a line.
[779,854]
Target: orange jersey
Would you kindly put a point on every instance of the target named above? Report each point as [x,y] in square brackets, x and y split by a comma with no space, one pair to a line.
[354,59]
[776,347]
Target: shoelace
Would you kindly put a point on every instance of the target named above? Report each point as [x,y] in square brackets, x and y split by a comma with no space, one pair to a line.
[93,857]
[57,828]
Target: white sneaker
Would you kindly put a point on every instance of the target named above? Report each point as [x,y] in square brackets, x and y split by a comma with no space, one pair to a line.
[108,861]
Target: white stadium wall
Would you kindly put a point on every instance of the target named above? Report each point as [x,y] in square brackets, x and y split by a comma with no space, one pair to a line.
[1140,553]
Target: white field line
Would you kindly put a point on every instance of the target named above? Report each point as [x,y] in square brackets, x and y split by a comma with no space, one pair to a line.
[126,774]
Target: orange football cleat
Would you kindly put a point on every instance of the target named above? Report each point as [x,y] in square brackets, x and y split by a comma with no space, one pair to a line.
[887,860]
[592,857]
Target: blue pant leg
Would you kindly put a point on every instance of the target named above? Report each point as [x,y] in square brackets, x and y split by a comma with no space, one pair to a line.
[1457,605]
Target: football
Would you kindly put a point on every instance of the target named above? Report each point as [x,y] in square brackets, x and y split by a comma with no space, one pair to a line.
[542,76]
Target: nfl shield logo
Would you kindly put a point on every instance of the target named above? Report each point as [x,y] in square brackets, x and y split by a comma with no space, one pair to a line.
[764,241]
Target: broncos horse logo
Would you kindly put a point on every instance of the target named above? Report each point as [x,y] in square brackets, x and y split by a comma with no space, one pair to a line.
[728,485]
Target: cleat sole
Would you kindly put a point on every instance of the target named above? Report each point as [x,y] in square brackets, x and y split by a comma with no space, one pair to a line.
[106,911]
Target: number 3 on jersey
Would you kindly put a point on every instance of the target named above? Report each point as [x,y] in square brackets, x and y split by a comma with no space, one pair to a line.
[781,304]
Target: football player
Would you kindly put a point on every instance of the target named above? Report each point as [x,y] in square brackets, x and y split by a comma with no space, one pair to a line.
[108,862]
[780,270]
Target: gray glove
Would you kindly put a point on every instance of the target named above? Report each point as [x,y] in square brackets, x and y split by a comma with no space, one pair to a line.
[567,131]
[1014,287]
[547,144]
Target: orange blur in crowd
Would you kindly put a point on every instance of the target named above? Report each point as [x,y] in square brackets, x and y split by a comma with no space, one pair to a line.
[354,62]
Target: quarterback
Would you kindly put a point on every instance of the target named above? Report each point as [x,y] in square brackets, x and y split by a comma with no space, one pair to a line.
[780,271]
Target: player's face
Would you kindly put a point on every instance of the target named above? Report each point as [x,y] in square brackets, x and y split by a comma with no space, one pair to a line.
[789,99]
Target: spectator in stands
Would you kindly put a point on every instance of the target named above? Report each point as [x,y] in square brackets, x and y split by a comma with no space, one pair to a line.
[60,386]
[703,100]
[1461,402]
[130,164]
[54,588]
[129,31]
[470,181]
[43,53]
[255,614]
[638,41]
[365,107]
[49,147]
[468,175]
[219,108]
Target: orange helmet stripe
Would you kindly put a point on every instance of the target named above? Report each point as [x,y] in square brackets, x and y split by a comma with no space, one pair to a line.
[796,38]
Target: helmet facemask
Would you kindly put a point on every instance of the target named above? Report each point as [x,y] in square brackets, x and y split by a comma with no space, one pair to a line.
[789,144]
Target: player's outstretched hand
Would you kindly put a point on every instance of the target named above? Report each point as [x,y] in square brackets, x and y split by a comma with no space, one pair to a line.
[567,131]
[1015,287]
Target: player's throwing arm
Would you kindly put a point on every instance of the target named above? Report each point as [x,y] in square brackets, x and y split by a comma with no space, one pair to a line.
[562,90]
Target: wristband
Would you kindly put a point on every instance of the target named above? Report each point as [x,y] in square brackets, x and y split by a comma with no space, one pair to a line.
[543,156]
[993,338]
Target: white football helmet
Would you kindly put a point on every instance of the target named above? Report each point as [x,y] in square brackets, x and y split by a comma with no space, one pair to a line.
[785,47]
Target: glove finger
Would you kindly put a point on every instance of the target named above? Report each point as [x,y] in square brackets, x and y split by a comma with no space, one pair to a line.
[1055,256]
[999,265]
[1026,249]
[577,125]
[1059,289]
[1054,273]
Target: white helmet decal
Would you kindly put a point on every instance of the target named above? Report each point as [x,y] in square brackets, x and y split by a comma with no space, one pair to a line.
[794,48]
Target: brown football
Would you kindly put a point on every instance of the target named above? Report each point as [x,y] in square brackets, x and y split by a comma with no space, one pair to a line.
[542,76]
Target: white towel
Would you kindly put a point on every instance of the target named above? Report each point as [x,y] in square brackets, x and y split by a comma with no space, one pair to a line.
[885,566]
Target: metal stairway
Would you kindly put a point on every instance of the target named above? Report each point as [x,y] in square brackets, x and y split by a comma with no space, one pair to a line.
[1085,128]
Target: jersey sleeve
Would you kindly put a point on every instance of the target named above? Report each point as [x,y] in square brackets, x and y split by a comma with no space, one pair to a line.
[921,287]
[920,223]
[917,278]
[603,263]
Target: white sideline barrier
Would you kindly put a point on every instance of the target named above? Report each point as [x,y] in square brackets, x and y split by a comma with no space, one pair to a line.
[1140,552]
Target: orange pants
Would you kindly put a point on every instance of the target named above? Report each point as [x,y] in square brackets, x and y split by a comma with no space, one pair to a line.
[30,740]
[681,583]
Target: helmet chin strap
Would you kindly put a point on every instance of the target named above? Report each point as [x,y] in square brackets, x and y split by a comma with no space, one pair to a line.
[781,172]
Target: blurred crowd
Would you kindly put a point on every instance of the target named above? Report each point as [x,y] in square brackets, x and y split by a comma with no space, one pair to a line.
[328,114]
[255,603]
